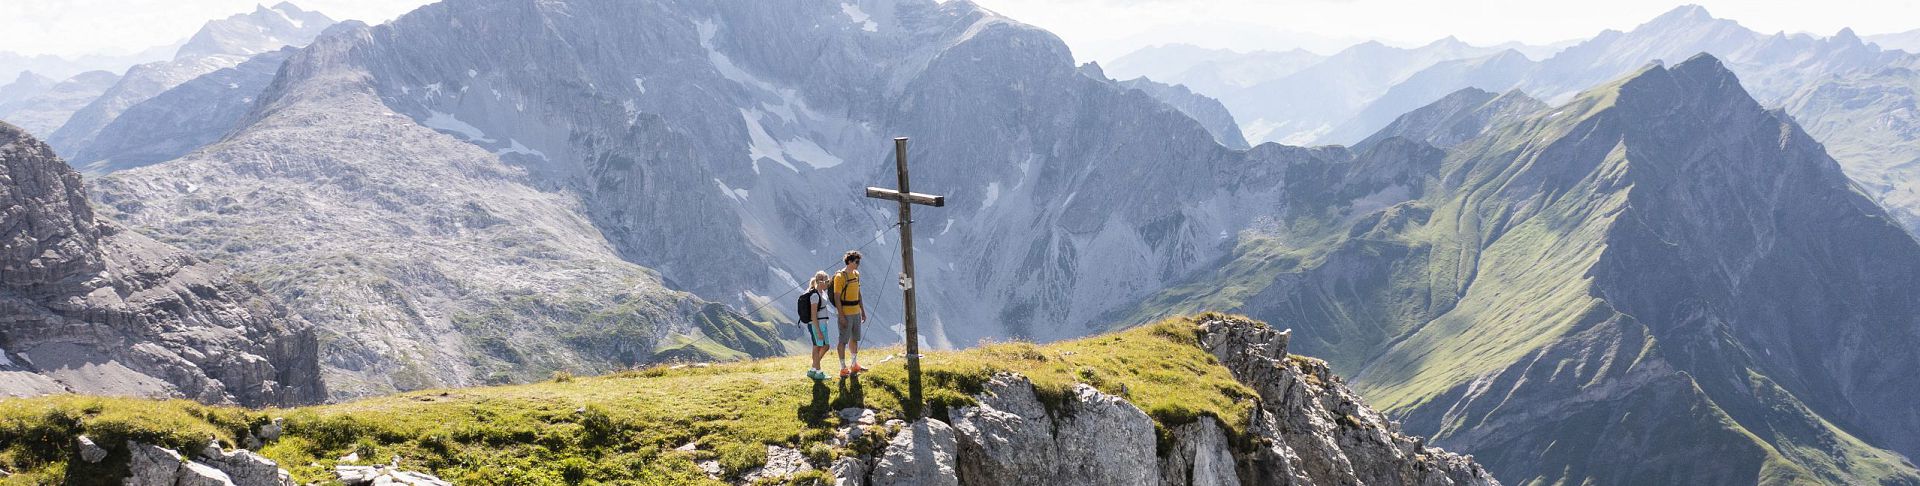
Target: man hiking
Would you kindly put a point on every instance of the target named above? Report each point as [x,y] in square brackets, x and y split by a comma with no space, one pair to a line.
[813,316]
[846,299]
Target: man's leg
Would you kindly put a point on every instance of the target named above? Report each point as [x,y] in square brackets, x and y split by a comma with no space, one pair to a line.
[853,337]
[843,341]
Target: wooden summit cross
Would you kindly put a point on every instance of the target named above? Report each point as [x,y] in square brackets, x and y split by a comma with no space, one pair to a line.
[907,199]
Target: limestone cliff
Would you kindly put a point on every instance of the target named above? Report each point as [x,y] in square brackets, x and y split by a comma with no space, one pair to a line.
[87,306]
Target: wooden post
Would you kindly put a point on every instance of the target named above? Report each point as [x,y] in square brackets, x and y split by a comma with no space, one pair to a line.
[907,199]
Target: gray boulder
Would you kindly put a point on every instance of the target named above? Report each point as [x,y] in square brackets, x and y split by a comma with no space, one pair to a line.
[922,454]
[197,474]
[1106,440]
[848,471]
[89,451]
[383,475]
[151,465]
[247,468]
[781,463]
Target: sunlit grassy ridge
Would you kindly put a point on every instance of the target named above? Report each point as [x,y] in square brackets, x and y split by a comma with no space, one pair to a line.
[624,428]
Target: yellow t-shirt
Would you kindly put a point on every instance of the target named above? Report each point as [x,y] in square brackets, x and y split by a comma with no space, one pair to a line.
[846,285]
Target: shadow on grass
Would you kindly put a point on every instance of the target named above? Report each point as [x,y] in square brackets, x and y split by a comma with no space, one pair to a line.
[851,394]
[815,412]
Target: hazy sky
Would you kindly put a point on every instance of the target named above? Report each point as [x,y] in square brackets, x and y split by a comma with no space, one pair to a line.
[1097,29]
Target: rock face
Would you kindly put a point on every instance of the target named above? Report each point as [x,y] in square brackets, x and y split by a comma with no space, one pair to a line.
[1322,431]
[1200,456]
[922,454]
[87,306]
[1010,438]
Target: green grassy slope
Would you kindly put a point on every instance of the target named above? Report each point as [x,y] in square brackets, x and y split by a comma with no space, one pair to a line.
[624,428]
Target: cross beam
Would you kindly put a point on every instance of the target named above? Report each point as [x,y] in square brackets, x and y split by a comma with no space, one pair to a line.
[912,197]
[907,199]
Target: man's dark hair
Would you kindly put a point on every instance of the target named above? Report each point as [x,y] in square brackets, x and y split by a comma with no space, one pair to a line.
[852,256]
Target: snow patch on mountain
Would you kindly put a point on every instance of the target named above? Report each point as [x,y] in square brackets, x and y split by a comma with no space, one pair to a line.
[515,147]
[446,122]
[860,17]
[737,194]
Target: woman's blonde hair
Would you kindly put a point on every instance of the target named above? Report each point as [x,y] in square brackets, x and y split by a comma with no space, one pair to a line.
[819,278]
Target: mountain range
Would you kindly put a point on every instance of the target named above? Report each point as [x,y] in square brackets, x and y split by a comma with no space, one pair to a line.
[1600,268]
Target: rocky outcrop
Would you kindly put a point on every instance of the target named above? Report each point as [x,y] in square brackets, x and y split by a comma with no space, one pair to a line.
[89,307]
[1201,456]
[1305,428]
[245,467]
[385,476]
[1320,431]
[1010,437]
[921,454]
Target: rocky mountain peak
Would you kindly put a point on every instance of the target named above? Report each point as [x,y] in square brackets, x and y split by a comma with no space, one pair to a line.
[1683,15]
[262,30]
[1699,87]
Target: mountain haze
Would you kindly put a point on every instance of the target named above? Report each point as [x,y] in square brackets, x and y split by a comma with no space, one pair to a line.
[220,44]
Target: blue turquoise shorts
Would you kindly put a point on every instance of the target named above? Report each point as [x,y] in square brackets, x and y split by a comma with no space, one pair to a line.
[817,332]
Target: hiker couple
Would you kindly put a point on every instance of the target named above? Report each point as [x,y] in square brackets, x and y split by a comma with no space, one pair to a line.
[841,293]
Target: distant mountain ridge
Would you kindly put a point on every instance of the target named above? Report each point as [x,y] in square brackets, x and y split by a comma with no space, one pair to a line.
[1499,296]
[41,111]
[220,44]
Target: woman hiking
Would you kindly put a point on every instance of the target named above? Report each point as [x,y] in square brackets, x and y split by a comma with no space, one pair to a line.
[813,316]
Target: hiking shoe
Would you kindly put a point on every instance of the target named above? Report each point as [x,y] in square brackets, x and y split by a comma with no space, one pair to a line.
[844,372]
[817,375]
[858,369]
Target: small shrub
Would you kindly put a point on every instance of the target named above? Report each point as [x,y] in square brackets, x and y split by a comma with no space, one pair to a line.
[820,455]
[737,458]
[575,470]
[563,376]
[597,428]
